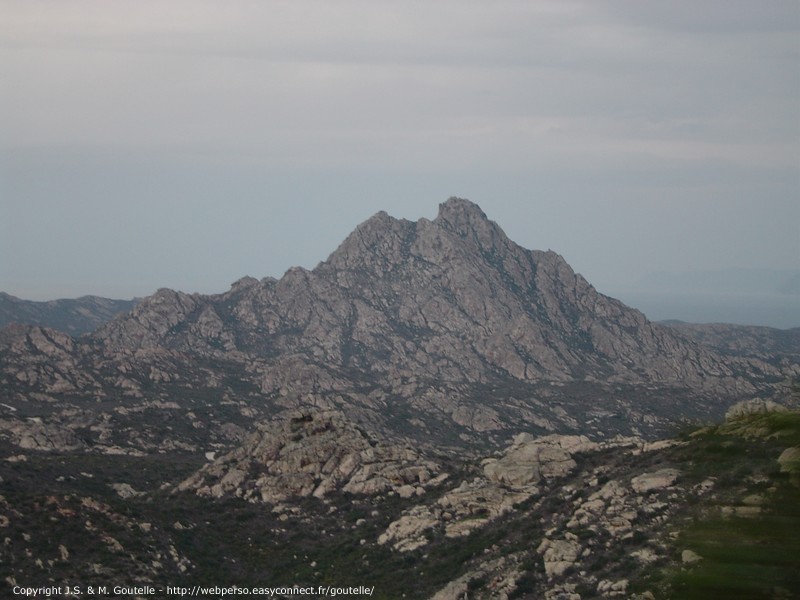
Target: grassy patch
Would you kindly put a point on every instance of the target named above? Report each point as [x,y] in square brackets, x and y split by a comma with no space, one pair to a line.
[742,558]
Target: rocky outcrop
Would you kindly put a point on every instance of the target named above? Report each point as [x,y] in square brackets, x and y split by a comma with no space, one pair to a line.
[502,575]
[512,478]
[756,406]
[591,516]
[530,459]
[558,556]
[657,480]
[33,434]
[789,462]
[313,454]
[42,361]
[458,512]
[552,517]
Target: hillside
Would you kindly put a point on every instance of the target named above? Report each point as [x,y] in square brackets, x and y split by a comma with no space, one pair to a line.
[779,346]
[433,411]
[711,513]
[72,316]
[442,333]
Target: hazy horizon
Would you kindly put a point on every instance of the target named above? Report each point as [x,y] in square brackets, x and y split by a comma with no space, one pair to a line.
[184,145]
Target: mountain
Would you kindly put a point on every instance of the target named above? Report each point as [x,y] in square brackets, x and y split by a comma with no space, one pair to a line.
[440,330]
[779,346]
[431,412]
[72,316]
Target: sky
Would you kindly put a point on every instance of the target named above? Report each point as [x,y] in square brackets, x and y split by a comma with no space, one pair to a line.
[184,144]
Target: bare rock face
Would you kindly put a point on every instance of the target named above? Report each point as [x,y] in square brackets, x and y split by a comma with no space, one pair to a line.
[656,480]
[754,406]
[152,320]
[508,480]
[42,361]
[458,512]
[441,326]
[530,460]
[312,454]
[779,346]
[558,556]
[502,573]
[451,298]
[36,435]
[689,557]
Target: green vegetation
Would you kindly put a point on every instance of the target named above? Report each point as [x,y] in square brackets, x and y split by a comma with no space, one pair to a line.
[747,558]
[748,531]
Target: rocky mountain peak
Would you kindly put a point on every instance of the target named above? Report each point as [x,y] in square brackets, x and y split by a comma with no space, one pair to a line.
[458,211]
[372,245]
[243,283]
[467,220]
[442,328]
[382,243]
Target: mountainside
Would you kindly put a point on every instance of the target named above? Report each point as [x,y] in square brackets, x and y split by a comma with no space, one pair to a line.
[712,514]
[432,412]
[452,299]
[438,330]
[73,316]
[779,346]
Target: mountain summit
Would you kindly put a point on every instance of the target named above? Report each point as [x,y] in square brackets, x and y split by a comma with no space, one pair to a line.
[440,331]
[376,422]
[468,220]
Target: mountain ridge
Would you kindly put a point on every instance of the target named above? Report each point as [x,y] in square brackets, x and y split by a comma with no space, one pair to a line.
[432,410]
[76,316]
[440,329]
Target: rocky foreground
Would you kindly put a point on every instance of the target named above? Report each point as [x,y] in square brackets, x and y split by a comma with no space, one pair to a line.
[558,516]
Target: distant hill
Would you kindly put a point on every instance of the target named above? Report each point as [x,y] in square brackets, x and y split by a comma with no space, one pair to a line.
[73,316]
[780,311]
[780,346]
[766,297]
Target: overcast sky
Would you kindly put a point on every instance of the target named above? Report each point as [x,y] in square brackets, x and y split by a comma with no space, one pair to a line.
[188,143]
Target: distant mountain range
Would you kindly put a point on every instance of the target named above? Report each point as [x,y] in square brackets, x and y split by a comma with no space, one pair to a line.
[769,310]
[767,297]
[72,316]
